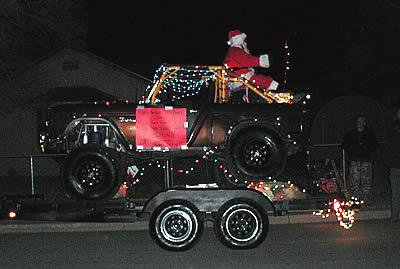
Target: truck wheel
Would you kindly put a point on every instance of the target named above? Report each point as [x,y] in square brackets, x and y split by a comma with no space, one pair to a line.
[241,225]
[92,173]
[255,156]
[176,226]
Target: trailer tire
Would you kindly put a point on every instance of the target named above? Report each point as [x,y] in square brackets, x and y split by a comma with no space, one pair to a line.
[176,225]
[92,173]
[240,224]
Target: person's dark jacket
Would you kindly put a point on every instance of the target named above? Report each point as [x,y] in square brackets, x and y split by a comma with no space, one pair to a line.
[391,151]
[359,145]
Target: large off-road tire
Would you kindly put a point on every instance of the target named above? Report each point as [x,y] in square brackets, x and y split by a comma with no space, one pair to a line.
[239,224]
[176,225]
[92,172]
[254,155]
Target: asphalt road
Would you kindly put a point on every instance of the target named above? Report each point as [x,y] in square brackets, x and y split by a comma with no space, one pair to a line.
[369,244]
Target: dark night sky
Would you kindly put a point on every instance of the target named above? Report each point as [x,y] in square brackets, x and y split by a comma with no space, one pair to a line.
[334,48]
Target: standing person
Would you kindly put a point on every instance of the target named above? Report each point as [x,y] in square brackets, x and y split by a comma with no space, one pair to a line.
[391,157]
[358,144]
[239,56]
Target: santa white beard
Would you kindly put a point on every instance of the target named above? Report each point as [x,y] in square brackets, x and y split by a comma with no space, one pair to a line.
[245,48]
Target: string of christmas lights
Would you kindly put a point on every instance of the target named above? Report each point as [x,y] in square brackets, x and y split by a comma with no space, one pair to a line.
[184,82]
[179,82]
[159,164]
[278,190]
[287,67]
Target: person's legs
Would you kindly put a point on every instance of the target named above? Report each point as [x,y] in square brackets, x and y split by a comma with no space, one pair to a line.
[366,180]
[395,184]
[265,82]
[355,177]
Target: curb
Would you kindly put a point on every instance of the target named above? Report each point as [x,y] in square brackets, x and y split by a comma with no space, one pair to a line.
[308,217]
[293,217]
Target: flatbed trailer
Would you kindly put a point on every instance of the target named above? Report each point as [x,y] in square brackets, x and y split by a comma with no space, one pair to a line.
[176,215]
[35,207]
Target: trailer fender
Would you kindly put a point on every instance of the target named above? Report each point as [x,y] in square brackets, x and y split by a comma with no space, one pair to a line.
[208,200]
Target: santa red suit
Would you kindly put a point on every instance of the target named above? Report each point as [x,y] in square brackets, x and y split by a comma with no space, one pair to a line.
[239,56]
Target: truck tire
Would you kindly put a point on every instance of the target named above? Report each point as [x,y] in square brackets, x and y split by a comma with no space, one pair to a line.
[241,225]
[176,225]
[92,173]
[254,156]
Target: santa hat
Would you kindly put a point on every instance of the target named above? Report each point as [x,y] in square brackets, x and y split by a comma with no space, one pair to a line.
[236,38]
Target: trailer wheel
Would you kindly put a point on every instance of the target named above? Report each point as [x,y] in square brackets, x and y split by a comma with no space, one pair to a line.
[92,173]
[176,225]
[241,225]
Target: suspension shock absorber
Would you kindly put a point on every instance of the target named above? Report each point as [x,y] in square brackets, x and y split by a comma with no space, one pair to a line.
[107,138]
[85,136]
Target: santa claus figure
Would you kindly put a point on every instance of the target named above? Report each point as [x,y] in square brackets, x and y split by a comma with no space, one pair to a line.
[239,56]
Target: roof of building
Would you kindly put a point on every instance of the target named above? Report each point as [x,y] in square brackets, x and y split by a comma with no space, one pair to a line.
[13,97]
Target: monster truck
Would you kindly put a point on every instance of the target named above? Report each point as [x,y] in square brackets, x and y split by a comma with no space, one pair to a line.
[187,112]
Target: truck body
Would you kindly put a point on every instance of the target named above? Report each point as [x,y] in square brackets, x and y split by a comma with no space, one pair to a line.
[185,113]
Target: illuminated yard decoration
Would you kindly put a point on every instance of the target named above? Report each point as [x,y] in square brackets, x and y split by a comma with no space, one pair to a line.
[344,211]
